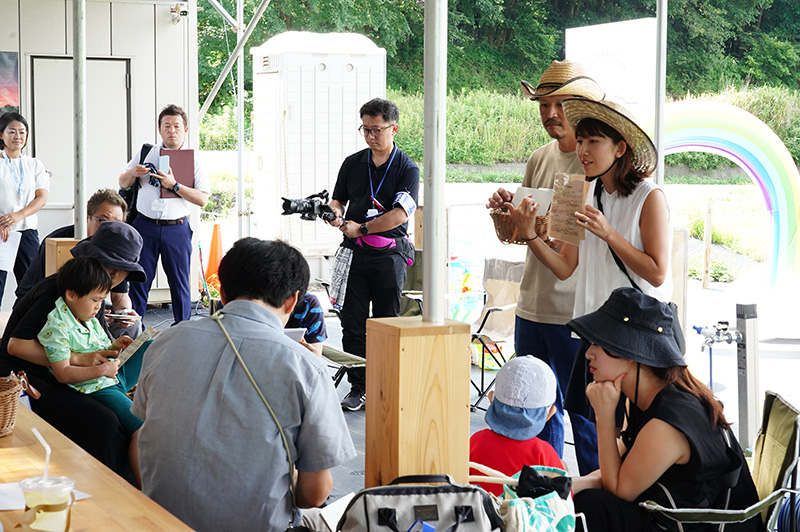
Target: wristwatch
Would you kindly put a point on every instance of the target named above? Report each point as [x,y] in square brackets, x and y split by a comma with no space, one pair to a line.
[364,229]
[176,188]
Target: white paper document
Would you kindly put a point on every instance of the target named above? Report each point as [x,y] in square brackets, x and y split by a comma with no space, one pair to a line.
[543,196]
[8,251]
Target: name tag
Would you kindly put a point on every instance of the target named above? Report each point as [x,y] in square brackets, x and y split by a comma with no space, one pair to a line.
[372,214]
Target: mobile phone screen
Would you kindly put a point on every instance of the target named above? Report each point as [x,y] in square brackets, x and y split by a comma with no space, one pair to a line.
[163,163]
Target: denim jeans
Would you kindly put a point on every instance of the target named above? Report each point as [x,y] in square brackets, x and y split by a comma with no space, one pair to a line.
[554,345]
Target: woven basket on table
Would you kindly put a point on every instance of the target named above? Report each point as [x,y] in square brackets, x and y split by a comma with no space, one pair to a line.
[507,231]
[10,390]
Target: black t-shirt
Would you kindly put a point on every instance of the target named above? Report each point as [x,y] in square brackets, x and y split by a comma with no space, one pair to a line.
[27,319]
[36,271]
[398,174]
[700,483]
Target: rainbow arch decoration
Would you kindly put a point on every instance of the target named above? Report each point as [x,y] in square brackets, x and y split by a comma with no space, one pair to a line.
[733,133]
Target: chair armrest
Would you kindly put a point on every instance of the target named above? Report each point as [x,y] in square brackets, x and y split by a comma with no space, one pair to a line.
[710,515]
[489,311]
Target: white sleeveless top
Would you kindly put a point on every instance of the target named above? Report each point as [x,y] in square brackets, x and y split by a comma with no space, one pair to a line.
[598,274]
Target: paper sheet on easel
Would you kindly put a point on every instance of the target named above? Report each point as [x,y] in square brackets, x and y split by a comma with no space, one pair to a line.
[8,251]
[543,196]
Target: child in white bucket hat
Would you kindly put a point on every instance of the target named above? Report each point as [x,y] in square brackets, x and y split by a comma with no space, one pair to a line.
[522,402]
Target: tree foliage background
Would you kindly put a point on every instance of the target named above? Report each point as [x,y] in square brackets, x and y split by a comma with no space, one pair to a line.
[494,43]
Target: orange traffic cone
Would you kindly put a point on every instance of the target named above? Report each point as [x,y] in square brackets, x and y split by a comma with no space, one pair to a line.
[215,254]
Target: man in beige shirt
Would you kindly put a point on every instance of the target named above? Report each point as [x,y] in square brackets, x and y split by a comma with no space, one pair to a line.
[545,303]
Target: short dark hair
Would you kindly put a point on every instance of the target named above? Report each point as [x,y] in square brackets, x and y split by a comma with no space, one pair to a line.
[625,176]
[173,110]
[9,117]
[266,270]
[381,107]
[106,195]
[82,275]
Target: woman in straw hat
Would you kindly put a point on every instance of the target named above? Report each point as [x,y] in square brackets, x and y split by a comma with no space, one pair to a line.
[626,220]
[676,446]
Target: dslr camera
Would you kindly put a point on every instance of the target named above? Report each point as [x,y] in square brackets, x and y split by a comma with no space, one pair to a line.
[310,208]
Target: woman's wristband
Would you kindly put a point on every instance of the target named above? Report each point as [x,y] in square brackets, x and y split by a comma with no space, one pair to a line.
[528,239]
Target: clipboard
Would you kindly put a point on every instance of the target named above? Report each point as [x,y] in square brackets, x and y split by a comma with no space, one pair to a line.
[181,162]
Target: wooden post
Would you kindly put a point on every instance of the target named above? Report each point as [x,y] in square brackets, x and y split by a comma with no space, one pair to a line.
[707,244]
[417,410]
[56,253]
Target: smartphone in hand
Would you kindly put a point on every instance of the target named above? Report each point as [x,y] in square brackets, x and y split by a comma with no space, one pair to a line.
[163,163]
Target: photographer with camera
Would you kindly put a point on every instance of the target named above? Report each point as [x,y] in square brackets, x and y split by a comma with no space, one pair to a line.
[378,186]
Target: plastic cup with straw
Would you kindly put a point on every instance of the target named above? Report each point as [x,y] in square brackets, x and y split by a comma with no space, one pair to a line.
[47,499]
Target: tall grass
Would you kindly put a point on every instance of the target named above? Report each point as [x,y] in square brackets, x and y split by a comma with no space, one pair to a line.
[483,127]
[777,107]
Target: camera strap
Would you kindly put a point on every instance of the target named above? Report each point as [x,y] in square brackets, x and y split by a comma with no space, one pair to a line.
[372,192]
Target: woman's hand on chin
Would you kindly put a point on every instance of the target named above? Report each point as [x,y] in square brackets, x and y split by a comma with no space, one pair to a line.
[604,396]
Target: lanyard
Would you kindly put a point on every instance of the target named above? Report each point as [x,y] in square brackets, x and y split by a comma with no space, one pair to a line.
[19,177]
[371,192]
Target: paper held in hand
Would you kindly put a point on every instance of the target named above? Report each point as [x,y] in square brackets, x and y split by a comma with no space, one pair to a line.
[569,195]
[129,351]
[542,196]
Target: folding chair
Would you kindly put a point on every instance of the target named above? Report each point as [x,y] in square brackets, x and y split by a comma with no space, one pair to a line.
[774,472]
[411,298]
[501,280]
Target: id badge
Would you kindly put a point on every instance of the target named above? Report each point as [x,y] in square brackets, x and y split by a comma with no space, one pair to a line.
[372,214]
[159,205]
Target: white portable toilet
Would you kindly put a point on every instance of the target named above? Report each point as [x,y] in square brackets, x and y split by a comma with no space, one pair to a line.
[307,90]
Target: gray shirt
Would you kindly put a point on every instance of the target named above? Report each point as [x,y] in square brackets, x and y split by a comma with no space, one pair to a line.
[210,453]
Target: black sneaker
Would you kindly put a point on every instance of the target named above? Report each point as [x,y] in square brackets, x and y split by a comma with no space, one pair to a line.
[354,400]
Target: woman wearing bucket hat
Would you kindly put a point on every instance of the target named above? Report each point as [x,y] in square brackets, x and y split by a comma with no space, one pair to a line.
[676,446]
[626,220]
[116,245]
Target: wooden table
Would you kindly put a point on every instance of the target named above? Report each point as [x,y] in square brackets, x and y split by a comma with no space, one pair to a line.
[114,504]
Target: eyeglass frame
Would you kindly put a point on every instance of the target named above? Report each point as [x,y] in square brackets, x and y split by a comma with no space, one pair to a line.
[99,219]
[367,131]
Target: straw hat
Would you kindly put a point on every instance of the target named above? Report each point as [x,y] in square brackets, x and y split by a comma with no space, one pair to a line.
[616,116]
[564,78]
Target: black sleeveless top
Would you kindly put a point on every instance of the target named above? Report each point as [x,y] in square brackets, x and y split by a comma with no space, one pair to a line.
[713,468]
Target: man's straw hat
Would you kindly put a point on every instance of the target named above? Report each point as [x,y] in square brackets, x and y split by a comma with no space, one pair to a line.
[618,117]
[564,78]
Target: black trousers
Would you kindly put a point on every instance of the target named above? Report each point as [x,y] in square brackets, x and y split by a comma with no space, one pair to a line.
[605,512]
[89,424]
[375,279]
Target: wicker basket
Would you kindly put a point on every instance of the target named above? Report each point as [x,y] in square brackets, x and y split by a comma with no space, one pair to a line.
[507,231]
[10,390]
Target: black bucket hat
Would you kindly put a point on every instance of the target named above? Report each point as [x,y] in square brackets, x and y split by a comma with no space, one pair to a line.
[116,245]
[632,325]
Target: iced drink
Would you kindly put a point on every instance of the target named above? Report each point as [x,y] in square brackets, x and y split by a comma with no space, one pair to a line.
[52,496]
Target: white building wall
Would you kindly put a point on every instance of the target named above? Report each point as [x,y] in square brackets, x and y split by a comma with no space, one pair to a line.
[161,59]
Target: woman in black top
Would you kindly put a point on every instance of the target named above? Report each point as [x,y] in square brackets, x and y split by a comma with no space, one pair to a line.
[676,445]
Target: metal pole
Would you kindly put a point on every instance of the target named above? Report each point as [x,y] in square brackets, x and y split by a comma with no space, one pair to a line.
[79,105]
[227,16]
[229,65]
[240,116]
[435,121]
[747,369]
[661,85]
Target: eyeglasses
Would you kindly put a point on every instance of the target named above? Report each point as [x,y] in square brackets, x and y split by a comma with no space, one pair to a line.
[374,132]
[99,220]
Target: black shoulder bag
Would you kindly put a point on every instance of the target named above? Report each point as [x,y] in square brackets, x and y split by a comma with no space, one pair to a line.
[131,193]
[676,326]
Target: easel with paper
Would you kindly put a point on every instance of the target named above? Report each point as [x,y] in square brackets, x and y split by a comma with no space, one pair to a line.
[569,196]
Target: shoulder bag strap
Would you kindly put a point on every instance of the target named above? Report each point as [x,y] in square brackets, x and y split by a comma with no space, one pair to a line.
[598,191]
[218,318]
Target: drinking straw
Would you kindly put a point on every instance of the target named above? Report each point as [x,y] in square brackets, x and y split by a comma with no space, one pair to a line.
[46,450]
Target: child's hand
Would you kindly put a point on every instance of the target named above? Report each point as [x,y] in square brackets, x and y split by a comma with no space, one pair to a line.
[109,369]
[95,358]
[121,343]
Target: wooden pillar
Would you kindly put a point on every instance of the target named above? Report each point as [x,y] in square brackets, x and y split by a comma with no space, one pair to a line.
[417,409]
[56,253]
